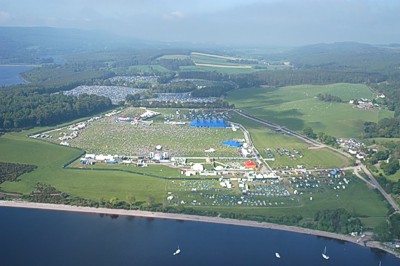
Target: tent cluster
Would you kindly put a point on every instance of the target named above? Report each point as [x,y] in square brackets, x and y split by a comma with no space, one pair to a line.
[211,123]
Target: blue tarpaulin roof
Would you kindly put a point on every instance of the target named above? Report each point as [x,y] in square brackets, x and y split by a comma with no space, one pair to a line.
[232,143]
[212,123]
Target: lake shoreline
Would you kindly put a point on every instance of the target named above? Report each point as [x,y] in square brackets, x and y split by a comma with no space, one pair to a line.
[366,242]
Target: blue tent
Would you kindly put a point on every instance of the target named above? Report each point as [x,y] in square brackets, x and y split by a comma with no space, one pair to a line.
[211,123]
[232,143]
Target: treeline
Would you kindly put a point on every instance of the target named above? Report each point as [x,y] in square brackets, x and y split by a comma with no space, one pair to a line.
[280,78]
[216,90]
[321,136]
[389,186]
[175,87]
[388,230]
[174,64]
[11,171]
[386,128]
[327,139]
[338,221]
[391,90]
[19,109]
[329,98]
[389,158]
[314,76]
[47,194]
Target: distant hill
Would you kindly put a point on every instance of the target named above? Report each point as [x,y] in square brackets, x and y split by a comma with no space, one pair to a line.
[345,55]
[39,44]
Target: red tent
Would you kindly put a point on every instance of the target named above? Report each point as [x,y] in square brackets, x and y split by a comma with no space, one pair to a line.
[250,164]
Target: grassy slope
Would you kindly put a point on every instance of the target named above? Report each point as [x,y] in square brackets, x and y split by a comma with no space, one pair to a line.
[296,107]
[89,184]
[357,199]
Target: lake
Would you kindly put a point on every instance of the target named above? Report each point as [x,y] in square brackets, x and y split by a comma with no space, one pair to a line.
[9,75]
[39,237]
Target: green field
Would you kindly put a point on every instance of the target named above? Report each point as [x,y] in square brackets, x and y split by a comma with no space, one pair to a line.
[265,138]
[97,184]
[106,136]
[174,56]
[210,59]
[223,70]
[89,184]
[297,107]
[368,205]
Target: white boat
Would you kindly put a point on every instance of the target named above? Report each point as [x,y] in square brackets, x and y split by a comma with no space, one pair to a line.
[324,254]
[177,251]
[277,255]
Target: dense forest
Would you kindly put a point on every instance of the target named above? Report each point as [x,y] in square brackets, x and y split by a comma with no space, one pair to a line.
[339,221]
[19,109]
[386,128]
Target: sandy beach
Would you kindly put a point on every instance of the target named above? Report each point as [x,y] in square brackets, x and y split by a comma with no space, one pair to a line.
[366,241]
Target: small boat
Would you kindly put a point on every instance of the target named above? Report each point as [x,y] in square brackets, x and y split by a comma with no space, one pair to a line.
[177,251]
[277,255]
[324,254]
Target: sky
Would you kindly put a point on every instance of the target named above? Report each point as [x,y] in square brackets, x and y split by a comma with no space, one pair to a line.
[229,22]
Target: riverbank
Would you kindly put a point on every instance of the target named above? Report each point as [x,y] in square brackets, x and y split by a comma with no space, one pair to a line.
[366,241]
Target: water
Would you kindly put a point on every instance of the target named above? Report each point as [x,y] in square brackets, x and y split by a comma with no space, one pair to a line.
[37,237]
[9,75]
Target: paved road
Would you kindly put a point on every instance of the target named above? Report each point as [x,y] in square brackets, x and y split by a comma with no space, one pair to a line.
[372,182]
[391,201]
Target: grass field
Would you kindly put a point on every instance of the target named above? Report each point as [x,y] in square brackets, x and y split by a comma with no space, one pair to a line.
[296,107]
[90,184]
[96,184]
[266,138]
[358,199]
[200,58]
[106,136]
[174,56]
[219,69]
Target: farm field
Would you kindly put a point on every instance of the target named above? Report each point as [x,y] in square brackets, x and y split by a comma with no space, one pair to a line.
[174,56]
[223,70]
[201,58]
[296,107]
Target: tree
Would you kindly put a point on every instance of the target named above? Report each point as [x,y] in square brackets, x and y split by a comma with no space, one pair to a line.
[309,132]
[391,167]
